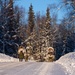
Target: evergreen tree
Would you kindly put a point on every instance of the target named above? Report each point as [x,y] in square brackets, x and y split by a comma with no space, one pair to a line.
[49,32]
[48,18]
[9,27]
[11,38]
[3,21]
[31,22]
[1,29]
[10,15]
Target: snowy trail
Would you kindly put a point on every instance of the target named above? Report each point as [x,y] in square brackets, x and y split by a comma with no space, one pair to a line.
[56,69]
[31,68]
[53,69]
[64,66]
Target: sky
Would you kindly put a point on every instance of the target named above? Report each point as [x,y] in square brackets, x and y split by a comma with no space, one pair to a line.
[40,6]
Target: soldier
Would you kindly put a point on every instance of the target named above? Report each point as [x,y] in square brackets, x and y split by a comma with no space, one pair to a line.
[26,57]
[21,52]
[21,56]
[50,54]
[28,51]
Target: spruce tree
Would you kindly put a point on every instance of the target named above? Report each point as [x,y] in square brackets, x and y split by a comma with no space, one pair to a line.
[10,15]
[44,34]
[12,39]
[31,22]
[48,28]
[3,21]
[48,18]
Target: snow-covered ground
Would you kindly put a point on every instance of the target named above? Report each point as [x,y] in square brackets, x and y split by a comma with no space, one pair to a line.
[68,61]
[64,66]
[5,58]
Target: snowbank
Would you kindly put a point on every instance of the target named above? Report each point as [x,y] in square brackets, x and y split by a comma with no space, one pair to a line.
[68,61]
[5,58]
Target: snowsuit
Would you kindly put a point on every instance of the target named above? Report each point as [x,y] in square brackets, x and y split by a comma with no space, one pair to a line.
[21,52]
[26,57]
[21,56]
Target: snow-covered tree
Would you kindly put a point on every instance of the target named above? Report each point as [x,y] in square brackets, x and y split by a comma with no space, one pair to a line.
[3,22]
[9,38]
[31,21]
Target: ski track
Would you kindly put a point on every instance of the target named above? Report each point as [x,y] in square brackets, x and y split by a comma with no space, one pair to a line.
[32,68]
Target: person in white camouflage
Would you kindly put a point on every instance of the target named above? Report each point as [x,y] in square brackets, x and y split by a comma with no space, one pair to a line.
[21,51]
[50,57]
[29,49]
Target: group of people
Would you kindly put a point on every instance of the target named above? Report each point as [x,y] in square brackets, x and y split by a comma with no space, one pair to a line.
[26,54]
[22,54]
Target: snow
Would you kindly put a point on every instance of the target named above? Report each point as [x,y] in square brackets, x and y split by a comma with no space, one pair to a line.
[5,58]
[68,61]
[64,66]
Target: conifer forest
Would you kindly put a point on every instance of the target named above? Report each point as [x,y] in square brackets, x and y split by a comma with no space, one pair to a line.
[19,27]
